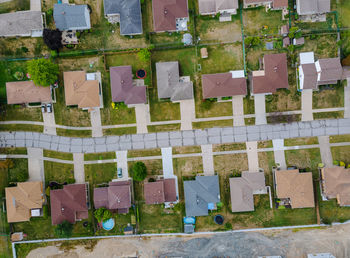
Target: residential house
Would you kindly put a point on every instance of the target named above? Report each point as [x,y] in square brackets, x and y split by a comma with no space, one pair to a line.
[25,92]
[169,83]
[22,24]
[83,89]
[212,7]
[313,7]
[273,76]
[295,189]
[201,195]
[298,41]
[71,17]
[220,85]
[116,197]
[170,15]
[322,72]
[160,191]
[124,89]
[24,201]
[69,204]
[125,12]
[269,4]
[335,184]
[244,188]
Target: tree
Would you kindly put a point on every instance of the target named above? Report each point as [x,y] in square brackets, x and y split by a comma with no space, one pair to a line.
[53,39]
[102,214]
[293,31]
[64,230]
[252,41]
[43,71]
[144,55]
[139,171]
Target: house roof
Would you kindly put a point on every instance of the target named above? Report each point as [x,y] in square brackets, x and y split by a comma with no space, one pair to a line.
[20,23]
[122,87]
[214,6]
[310,76]
[160,191]
[331,69]
[285,29]
[130,15]
[280,3]
[298,187]
[223,85]
[26,92]
[275,74]
[113,197]
[299,41]
[199,193]
[243,188]
[313,6]
[80,91]
[337,184]
[169,84]
[165,13]
[21,199]
[69,203]
[71,17]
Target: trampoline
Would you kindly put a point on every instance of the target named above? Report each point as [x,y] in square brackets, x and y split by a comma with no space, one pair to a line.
[218,219]
[141,74]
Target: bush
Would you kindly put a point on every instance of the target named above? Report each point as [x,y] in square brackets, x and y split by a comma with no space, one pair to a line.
[102,214]
[64,230]
[228,226]
[53,53]
[139,171]
[45,212]
[43,71]
[144,55]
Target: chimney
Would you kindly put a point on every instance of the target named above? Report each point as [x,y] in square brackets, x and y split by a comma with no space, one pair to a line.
[275,69]
[165,11]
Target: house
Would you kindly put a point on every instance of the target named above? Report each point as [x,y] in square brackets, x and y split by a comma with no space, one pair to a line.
[322,72]
[220,85]
[244,188]
[273,76]
[83,89]
[170,85]
[71,17]
[335,183]
[313,7]
[116,197]
[22,24]
[25,92]
[294,188]
[127,13]
[212,7]
[298,41]
[170,15]
[69,204]
[204,52]
[161,191]
[24,201]
[124,89]
[269,4]
[284,31]
[201,195]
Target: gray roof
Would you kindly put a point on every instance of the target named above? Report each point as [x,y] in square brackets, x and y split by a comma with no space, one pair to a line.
[130,15]
[169,84]
[189,228]
[307,7]
[200,192]
[214,6]
[71,17]
[20,23]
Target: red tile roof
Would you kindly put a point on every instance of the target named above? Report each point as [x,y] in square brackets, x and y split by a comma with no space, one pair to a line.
[160,191]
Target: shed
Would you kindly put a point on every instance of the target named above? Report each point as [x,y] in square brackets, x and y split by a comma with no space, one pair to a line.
[189,228]
[204,52]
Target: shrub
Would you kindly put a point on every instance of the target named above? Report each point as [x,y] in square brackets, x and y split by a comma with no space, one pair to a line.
[102,214]
[43,71]
[139,171]
[144,55]
[45,212]
[54,53]
[228,226]
[64,230]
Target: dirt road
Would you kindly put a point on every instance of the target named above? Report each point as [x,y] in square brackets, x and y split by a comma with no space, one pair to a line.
[335,240]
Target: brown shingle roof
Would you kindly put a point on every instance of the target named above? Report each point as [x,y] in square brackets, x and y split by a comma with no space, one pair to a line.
[122,86]
[79,91]
[337,184]
[331,70]
[160,191]
[69,203]
[21,199]
[223,85]
[26,92]
[310,76]
[280,3]
[166,11]
[298,187]
[275,74]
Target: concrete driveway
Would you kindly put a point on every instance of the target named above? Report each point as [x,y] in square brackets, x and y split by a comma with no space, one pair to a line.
[188,113]
[49,123]
[79,172]
[306,105]
[252,153]
[122,162]
[208,160]
[238,111]
[36,164]
[325,149]
[142,117]
[35,5]
[260,109]
[95,117]
[278,150]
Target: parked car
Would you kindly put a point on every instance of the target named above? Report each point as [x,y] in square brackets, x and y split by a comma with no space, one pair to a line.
[120,172]
[49,108]
[43,108]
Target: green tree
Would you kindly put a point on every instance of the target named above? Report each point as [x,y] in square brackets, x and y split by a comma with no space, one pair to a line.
[139,171]
[144,55]
[43,71]
[292,32]
[64,230]
[102,214]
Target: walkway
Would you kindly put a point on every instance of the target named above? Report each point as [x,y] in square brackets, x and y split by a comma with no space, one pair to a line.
[208,160]
[35,5]
[36,164]
[168,139]
[96,124]
[238,112]
[79,172]
[306,105]
[188,113]
[278,150]
[325,149]
[260,109]
[122,162]
[347,100]
[142,117]
[49,123]
[252,153]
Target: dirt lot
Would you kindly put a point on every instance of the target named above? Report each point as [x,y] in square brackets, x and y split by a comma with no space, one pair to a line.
[285,243]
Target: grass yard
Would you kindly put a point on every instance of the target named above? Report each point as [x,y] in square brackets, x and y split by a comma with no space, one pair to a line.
[154,166]
[324,46]
[163,128]
[73,133]
[300,141]
[119,131]
[58,172]
[265,144]
[14,5]
[97,174]
[339,138]
[230,163]
[229,147]
[19,150]
[58,155]
[341,153]
[99,156]
[344,10]
[329,97]
[211,124]
[186,149]
[36,228]
[121,221]
[24,127]
[266,162]
[305,159]
[144,153]
[329,115]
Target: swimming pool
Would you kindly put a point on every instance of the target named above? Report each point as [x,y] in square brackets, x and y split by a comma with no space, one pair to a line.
[108,225]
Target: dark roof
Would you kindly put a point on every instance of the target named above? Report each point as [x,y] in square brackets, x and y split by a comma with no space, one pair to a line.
[199,193]
[130,15]
[275,74]
[222,85]
[160,191]
[331,69]
[310,76]
[69,203]
[122,86]
[165,13]
[71,17]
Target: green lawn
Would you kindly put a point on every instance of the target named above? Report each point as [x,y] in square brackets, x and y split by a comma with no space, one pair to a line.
[13,150]
[329,115]
[154,166]
[329,97]
[58,172]
[300,141]
[163,128]
[229,147]
[144,153]
[15,5]
[100,156]
[339,138]
[73,133]
[344,10]
[121,221]
[100,173]
[58,155]
[305,159]
[210,124]
[36,228]
[120,131]
[19,169]
[324,46]
[24,127]
[341,153]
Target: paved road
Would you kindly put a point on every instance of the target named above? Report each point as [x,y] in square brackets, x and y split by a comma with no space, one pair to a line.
[184,138]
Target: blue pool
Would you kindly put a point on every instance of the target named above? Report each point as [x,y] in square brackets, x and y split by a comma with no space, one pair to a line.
[189,220]
[108,225]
